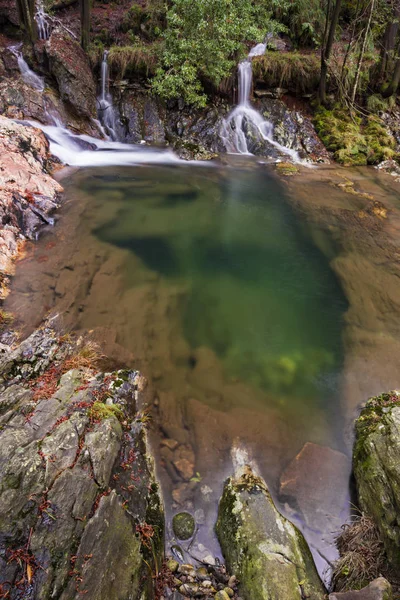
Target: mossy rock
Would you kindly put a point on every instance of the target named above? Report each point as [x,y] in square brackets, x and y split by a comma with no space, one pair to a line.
[377,468]
[264,550]
[183,525]
[354,141]
[287,169]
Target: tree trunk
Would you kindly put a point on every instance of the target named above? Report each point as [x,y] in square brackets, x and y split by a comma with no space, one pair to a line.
[85,23]
[394,84]
[389,40]
[26,12]
[362,52]
[327,49]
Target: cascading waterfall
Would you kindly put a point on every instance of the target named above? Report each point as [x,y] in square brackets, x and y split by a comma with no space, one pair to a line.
[244,120]
[29,77]
[106,111]
[43,21]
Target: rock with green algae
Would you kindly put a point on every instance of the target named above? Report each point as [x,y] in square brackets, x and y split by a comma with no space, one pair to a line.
[183,525]
[264,550]
[379,589]
[377,468]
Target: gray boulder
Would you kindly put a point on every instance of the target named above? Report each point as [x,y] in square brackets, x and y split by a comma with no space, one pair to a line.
[264,550]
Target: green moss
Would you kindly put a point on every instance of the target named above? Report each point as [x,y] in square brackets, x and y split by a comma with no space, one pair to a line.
[354,141]
[100,411]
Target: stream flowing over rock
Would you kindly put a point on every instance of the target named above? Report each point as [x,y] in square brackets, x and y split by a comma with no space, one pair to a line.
[77,487]
[377,468]
[263,549]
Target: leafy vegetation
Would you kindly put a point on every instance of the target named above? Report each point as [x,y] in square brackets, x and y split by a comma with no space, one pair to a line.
[203,41]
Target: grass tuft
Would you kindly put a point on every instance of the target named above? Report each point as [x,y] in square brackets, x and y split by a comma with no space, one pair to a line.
[362,556]
[292,70]
[130,60]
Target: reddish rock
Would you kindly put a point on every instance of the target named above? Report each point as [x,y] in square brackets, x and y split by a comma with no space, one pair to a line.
[70,67]
[183,461]
[316,482]
[27,193]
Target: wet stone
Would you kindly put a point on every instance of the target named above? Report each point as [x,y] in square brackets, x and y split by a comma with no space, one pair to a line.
[183,525]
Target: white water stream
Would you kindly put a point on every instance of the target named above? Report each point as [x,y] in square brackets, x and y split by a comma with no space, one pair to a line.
[86,151]
[107,114]
[244,120]
[27,74]
[43,21]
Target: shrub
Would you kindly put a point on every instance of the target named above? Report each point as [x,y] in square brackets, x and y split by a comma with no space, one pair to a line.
[203,41]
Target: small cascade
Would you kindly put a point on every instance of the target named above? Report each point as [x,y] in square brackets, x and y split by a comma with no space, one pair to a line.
[106,110]
[43,21]
[244,121]
[29,77]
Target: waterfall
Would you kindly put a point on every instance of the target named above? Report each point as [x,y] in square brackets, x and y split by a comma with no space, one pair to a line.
[244,121]
[43,21]
[106,111]
[29,77]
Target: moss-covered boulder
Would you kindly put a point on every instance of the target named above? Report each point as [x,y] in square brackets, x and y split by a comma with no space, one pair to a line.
[376,462]
[263,549]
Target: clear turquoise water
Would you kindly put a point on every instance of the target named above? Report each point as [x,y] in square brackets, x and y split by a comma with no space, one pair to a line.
[259,293]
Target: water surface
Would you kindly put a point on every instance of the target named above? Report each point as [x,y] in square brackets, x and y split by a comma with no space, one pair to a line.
[203,279]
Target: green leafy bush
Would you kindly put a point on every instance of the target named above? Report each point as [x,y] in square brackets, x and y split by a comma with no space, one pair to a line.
[203,41]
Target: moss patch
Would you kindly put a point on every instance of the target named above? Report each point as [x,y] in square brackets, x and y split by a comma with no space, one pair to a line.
[354,141]
[100,411]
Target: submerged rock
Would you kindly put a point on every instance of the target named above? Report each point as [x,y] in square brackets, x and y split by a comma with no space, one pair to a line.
[263,549]
[377,468]
[379,589]
[183,525]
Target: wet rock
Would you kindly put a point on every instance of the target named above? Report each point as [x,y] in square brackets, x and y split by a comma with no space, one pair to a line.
[24,153]
[327,473]
[379,589]
[109,552]
[69,65]
[391,167]
[183,525]
[172,565]
[377,468]
[221,595]
[56,483]
[263,549]
[183,461]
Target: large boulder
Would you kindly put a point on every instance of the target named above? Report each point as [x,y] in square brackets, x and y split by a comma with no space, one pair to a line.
[264,550]
[70,450]
[377,468]
[69,65]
